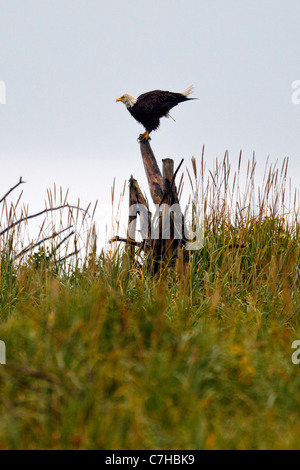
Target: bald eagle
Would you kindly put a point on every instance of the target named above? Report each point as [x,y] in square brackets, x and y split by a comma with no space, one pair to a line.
[149,107]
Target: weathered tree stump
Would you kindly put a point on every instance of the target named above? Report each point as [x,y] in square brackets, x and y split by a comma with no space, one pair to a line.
[170,220]
[163,232]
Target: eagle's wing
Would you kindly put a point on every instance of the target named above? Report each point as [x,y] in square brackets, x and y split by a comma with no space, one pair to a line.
[158,102]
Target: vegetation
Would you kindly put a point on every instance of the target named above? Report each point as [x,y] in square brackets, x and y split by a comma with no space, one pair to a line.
[103,355]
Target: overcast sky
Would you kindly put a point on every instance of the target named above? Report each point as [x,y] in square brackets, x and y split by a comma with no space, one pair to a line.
[64,62]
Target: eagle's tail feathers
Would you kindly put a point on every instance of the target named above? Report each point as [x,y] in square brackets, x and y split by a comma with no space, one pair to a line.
[188,91]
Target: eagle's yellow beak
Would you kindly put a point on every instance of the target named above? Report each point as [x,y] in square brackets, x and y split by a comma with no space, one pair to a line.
[120,98]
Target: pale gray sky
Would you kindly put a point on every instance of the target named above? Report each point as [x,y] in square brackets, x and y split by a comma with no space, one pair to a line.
[65,62]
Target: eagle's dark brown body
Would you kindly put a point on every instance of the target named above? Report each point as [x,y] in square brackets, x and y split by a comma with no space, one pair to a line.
[153,105]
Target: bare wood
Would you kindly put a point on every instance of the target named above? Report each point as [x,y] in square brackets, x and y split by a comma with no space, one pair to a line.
[12,189]
[168,168]
[172,184]
[131,219]
[168,197]
[169,181]
[168,173]
[75,253]
[126,240]
[153,173]
[145,214]
[139,197]
[50,209]
[33,245]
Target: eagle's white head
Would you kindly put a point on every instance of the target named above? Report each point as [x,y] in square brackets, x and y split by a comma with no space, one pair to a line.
[128,99]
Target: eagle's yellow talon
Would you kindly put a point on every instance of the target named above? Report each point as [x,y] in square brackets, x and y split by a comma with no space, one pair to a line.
[144,137]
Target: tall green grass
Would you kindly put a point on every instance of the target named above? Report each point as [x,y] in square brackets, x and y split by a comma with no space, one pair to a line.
[106,356]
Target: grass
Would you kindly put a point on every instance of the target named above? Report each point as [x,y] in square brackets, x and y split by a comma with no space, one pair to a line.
[104,356]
